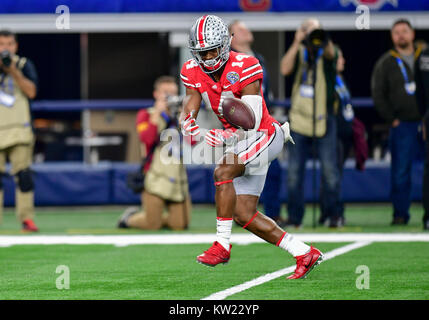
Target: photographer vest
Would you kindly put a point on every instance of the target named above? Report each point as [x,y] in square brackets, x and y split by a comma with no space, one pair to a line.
[15,118]
[166,176]
[301,112]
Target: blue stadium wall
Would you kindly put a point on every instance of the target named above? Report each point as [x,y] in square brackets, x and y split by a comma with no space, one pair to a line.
[58,184]
[127,6]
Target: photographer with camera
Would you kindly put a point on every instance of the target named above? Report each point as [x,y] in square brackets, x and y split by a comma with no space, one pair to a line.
[18,84]
[311,60]
[164,182]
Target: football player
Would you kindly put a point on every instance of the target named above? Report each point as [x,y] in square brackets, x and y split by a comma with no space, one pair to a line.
[213,74]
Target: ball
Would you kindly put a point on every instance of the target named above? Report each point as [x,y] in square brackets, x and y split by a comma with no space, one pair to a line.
[238,114]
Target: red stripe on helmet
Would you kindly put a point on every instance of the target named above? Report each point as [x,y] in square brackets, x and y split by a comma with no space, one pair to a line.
[200,35]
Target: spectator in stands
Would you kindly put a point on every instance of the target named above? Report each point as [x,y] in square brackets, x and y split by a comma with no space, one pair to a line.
[242,39]
[422,94]
[312,50]
[394,93]
[18,84]
[165,184]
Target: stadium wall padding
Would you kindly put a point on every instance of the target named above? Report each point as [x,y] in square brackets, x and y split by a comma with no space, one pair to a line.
[58,184]
[158,6]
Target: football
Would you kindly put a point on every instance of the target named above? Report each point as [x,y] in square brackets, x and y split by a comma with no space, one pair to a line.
[238,114]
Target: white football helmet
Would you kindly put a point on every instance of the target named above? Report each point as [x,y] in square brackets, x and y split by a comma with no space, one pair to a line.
[210,32]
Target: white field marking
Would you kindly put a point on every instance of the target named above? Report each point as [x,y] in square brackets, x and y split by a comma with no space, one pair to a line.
[221,295]
[243,239]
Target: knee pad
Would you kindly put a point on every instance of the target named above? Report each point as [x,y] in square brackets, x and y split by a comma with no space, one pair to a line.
[25,180]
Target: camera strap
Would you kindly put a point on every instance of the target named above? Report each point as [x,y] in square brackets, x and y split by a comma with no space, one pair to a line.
[306,64]
[345,99]
[149,154]
[342,91]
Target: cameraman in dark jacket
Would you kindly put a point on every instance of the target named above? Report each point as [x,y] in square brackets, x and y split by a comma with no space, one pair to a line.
[422,94]
[394,93]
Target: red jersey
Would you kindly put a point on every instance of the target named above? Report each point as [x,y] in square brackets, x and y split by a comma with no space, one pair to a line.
[240,70]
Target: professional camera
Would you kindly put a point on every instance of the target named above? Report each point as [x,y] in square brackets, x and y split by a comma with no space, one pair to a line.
[315,40]
[135,180]
[174,104]
[6,58]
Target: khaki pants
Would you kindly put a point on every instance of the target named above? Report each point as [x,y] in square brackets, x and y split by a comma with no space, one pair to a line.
[20,159]
[151,218]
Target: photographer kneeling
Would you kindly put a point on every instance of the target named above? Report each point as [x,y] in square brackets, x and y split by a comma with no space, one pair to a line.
[165,181]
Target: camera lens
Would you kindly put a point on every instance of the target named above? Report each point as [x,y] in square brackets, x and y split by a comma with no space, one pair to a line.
[6,58]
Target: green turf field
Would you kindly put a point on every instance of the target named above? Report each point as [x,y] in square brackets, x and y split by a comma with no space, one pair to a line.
[397,270]
[102,220]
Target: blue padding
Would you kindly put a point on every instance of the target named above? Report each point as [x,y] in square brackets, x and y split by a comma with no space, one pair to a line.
[201,184]
[105,183]
[137,104]
[9,191]
[157,6]
[80,105]
[68,184]
[370,185]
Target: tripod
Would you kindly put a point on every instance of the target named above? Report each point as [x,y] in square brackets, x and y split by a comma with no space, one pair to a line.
[313,140]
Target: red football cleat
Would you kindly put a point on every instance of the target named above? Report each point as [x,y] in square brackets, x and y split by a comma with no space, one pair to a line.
[29,225]
[214,255]
[306,262]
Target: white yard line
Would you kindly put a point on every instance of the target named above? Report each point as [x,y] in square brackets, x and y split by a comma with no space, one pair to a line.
[245,238]
[221,295]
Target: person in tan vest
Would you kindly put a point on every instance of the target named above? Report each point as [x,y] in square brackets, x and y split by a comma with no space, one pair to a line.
[18,84]
[165,183]
[311,63]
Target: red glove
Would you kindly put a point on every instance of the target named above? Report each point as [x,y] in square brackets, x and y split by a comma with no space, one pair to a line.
[219,137]
[189,126]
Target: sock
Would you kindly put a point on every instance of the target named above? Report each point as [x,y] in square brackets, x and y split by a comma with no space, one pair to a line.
[223,234]
[292,245]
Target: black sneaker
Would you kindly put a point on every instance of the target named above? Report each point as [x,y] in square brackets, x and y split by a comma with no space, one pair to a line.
[336,222]
[122,223]
[279,220]
[323,220]
[398,221]
[426,224]
[290,223]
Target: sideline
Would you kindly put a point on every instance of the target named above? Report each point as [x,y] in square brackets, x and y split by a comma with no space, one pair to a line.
[243,239]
